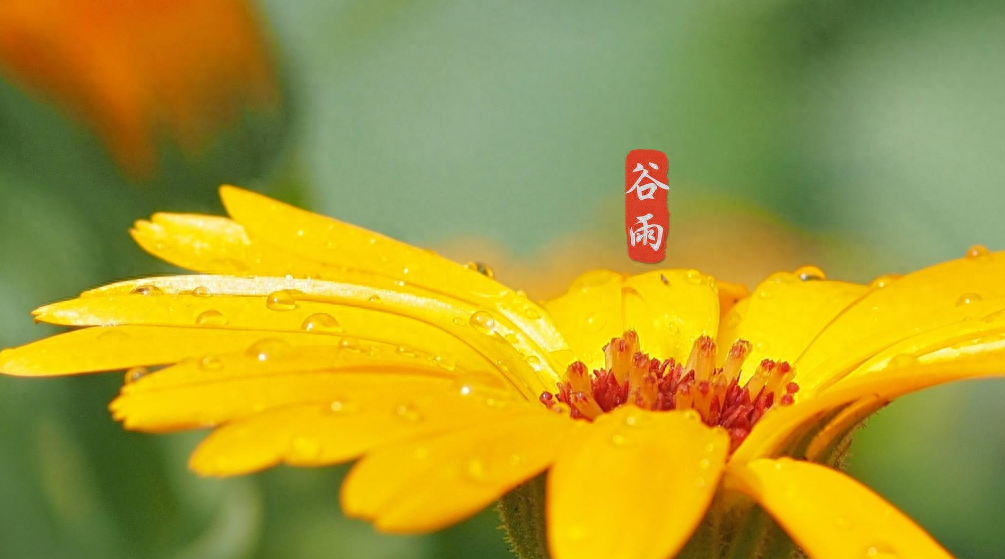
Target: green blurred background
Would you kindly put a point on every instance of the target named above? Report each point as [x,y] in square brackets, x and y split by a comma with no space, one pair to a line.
[865,137]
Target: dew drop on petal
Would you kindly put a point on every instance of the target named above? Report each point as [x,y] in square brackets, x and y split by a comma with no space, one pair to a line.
[321,323]
[884,281]
[481,268]
[350,344]
[694,276]
[978,252]
[201,291]
[405,351]
[136,373]
[968,299]
[341,405]
[210,363]
[147,290]
[476,469]
[534,361]
[374,299]
[810,273]
[879,551]
[211,318]
[531,313]
[595,322]
[483,322]
[619,439]
[408,412]
[266,349]
[282,300]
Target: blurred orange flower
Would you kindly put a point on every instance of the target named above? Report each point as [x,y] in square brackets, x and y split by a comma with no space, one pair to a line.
[133,68]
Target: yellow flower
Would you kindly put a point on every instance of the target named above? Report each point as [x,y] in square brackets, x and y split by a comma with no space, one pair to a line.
[131,69]
[313,342]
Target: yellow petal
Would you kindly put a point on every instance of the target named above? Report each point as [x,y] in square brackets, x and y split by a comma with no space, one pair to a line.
[918,302]
[471,335]
[121,347]
[328,240]
[785,314]
[428,483]
[668,309]
[830,515]
[968,360]
[172,405]
[335,431]
[633,485]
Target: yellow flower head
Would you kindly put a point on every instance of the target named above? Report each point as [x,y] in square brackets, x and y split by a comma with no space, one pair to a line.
[660,405]
[131,69]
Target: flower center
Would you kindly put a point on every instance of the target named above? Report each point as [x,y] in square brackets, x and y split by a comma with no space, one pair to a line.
[715,393]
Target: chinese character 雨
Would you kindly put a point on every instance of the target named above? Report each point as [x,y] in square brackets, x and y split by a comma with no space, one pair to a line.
[646,234]
[646,191]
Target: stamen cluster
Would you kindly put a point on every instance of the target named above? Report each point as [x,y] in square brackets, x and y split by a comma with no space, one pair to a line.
[631,376]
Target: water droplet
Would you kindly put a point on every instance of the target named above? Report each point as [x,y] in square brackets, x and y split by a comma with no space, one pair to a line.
[531,313]
[210,363]
[476,469]
[765,293]
[700,482]
[978,252]
[408,412]
[465,390]
[483,322]
[445,362]
[201,292]
[341,406]
[211,318]
[266,349]
[405,351]
[321,323]
[692,415]
[481,268]
[374,299]
[282,300]
[350,344]
[619,439]
[136,373]
[879,551]
[810,273]
[511,338]
[631,420]
[306,448]
[883,281]
[694,276]
[595,322]
[704,463]
[968,299]
[458,321]
[147,290]
[534,361]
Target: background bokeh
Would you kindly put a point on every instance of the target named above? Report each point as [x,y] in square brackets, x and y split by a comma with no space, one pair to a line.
[864,137]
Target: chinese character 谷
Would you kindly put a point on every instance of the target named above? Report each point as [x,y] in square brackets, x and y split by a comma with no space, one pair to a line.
[646,234]
[645,191]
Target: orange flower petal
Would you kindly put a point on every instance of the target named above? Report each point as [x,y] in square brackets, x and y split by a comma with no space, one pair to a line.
[830,515]
[335,431]
[428,483]
[633,485]
[785,314]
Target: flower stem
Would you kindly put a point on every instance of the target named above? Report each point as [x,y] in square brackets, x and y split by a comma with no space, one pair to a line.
[523,519]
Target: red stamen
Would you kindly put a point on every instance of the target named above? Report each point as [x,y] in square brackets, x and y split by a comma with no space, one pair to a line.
[715,393]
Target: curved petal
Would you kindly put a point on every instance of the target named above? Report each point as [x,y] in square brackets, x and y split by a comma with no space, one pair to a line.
[427,483]
[969,360]
[785,314]
[918,302]
[328,240]
[335,431]
[668,309]
[633,485]
[830,515]
[482,340]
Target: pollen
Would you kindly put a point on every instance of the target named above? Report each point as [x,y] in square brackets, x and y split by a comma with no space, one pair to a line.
[633,377]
